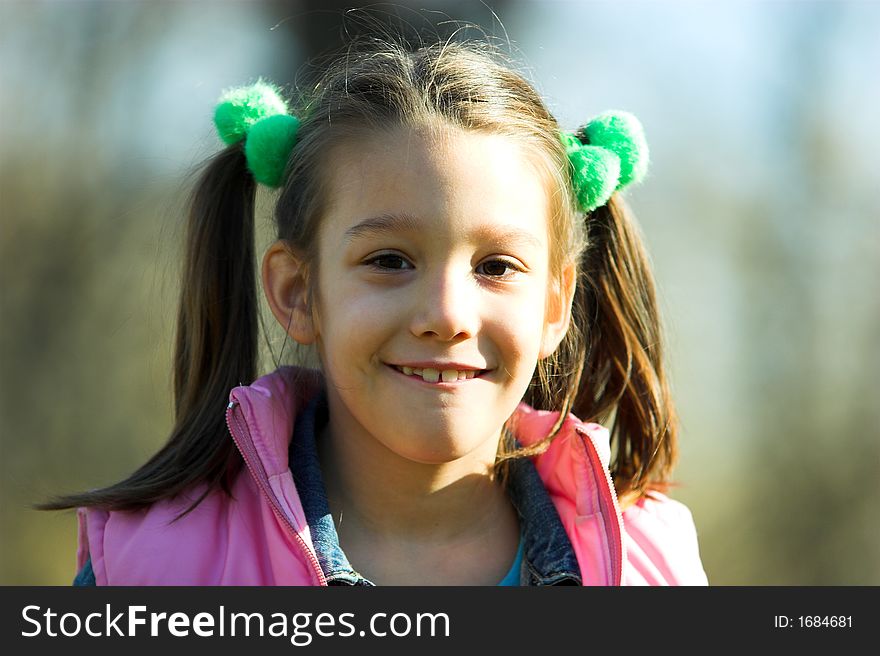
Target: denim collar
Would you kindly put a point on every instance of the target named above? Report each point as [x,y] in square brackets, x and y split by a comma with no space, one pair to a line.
[549,557]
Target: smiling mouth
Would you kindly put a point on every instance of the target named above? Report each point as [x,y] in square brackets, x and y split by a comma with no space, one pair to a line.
[440,376]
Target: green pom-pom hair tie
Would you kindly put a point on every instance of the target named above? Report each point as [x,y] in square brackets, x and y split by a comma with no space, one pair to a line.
[607,154]
[258,115]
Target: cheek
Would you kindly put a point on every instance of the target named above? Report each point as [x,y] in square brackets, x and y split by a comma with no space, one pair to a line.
[352,325]
[356,308]
[518,326]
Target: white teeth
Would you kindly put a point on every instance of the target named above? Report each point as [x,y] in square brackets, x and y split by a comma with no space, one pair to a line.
[449,375]
[430,375]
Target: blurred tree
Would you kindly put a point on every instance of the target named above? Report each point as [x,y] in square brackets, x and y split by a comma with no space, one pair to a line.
[814,483]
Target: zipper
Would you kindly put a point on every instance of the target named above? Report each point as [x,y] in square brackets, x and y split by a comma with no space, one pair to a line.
[610,497]
[248,452]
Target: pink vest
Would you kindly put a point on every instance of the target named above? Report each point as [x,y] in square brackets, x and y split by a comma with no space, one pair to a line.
[260,536]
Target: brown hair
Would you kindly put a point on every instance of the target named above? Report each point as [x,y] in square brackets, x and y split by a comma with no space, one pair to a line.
[607,369]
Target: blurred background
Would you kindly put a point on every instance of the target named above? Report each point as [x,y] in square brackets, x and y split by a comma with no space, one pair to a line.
[761,212]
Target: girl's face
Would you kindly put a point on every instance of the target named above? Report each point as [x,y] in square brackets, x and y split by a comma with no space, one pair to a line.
[433,297]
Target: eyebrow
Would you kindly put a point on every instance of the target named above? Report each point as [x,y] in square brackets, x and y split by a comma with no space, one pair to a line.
[382,224]
[404,222]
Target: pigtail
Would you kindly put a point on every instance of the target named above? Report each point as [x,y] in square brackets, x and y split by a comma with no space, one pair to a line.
[216,345]
[623,384]
[217,329]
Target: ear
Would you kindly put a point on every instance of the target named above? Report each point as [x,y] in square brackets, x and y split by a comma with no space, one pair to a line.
[285,282]
[558,313]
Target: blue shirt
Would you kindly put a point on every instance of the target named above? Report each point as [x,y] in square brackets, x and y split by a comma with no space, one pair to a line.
[512,577]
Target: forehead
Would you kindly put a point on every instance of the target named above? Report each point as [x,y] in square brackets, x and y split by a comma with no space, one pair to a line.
[447,180]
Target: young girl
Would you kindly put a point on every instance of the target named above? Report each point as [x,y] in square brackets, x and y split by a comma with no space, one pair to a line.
[471,283]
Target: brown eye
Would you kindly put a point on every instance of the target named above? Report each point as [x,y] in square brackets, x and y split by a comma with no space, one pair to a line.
[388,262]
[496,268]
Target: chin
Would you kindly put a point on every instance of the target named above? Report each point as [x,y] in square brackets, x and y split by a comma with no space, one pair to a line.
[437,448]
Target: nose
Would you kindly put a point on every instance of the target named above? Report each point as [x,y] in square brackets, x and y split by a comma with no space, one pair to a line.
[446,306]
